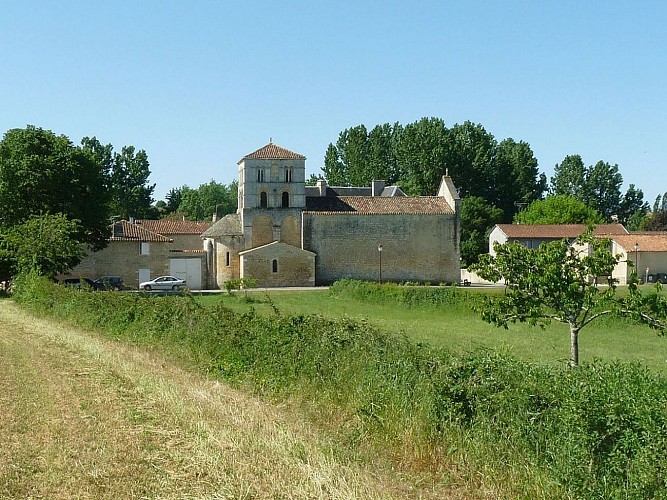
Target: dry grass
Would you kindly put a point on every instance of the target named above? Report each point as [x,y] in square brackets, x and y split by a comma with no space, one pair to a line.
[83,417]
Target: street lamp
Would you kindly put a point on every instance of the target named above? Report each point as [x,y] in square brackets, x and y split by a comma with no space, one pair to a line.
[380,254]
[636,258]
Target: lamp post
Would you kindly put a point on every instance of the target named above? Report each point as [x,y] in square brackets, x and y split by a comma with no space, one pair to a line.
[380,254]
[637,258]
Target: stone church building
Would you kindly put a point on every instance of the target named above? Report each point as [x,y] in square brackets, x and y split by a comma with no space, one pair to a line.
[288,234]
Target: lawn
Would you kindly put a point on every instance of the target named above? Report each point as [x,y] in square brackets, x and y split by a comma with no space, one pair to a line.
[458,328]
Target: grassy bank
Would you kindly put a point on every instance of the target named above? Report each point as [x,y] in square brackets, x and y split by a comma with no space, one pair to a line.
[448,322]
[514,428]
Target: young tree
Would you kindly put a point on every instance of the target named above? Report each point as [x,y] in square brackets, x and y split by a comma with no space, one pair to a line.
[45,244]
[42,173]
[557,282]
[561,209]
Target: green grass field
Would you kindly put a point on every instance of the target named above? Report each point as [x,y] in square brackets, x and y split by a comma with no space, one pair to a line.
[458,328]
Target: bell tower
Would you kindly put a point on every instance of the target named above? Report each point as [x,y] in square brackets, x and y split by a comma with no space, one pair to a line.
[272,194]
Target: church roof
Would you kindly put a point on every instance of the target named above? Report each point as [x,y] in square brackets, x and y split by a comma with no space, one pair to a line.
[164,226]
[380,205]
[127,231]
[229,225]
[273,152]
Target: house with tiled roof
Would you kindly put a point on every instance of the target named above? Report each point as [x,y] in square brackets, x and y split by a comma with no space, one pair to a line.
[288,234]
[644,251]
[140,250]
[532,235]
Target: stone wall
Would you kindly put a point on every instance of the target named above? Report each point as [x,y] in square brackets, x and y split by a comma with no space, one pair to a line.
[124,259]
[415,247]
[279,265]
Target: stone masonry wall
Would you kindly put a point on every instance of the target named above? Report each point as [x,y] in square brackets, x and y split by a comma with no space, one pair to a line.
[421,248]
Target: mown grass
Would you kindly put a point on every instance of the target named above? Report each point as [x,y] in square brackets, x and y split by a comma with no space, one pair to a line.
[514,428]
[456,327]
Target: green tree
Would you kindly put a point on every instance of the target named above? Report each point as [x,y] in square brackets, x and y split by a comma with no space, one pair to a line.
[633,208]
[42,173]
[44,244]
[657,221]
[421,156]
[477,219]
[209,199]
[561,209]
[553,283]
[603,189]
[516,177]
[127,178]
[569,178]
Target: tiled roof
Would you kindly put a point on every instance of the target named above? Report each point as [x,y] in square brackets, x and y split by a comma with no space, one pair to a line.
[648,242]
[273,152]
[163,226]
[379,205]
[126,231]
[557,231]
[229,225]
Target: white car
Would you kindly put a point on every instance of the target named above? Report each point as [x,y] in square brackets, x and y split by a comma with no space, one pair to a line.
[162,283]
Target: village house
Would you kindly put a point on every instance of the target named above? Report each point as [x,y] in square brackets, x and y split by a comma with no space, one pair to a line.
[140,250]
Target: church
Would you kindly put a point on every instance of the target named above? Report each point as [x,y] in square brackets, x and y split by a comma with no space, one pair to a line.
[285,233]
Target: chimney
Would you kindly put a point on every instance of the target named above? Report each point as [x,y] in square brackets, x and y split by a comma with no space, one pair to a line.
[322,187]
[376,188]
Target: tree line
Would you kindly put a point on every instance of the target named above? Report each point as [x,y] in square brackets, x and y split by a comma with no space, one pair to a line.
[58,200]
[498,181]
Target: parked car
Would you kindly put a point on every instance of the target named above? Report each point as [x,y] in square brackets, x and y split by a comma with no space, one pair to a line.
[110,282]
[83,283]
[162,283]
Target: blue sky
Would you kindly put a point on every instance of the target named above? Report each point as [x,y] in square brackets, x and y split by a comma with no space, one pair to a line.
[200,84]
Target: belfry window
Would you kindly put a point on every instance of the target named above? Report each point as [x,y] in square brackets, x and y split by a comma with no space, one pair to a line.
[260,175]
[263,199]
[285,199]
[288,174]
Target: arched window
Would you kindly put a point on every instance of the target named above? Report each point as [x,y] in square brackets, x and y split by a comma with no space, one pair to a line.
[263,199]
[288,174]
[285,199]
[275,265]
[260,175]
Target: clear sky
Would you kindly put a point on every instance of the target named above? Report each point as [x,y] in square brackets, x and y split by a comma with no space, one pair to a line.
[199,84]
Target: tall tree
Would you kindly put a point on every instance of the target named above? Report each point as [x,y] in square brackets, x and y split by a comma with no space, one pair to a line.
[127,178]
[477,219]
[516,177]
[569,177]
[603,189]
[552,283]
[657,221]
[42,173]
[632,208]
[421,155]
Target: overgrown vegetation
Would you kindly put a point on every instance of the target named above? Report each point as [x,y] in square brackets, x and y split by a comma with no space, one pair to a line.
[529,431]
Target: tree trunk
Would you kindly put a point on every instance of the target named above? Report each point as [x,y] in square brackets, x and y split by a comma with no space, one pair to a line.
[574,346]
